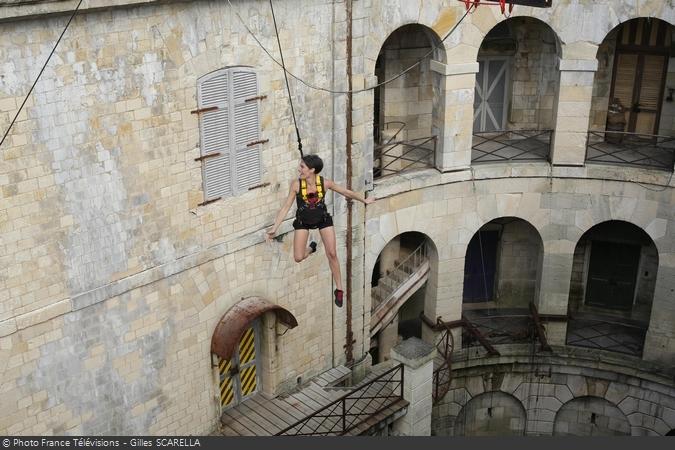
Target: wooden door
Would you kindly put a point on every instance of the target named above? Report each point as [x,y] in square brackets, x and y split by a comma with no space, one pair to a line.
[640,68]
[239,377]
[638,84]
[612,275]
[489,104]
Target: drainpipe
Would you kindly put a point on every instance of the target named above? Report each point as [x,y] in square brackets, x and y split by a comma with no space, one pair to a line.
[349,337]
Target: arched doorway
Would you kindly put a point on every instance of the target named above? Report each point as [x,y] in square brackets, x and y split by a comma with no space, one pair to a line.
[240,348]
[612,288]
[398,291]
[632,104]
[403,122]
[516,85]
[502,270]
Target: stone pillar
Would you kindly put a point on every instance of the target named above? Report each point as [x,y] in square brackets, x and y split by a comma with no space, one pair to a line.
[659,346]
[572,111]
[417,358]
[554,292]
[387,339]
[453,114]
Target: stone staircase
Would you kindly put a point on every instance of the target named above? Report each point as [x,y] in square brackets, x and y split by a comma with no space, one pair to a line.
[397,286]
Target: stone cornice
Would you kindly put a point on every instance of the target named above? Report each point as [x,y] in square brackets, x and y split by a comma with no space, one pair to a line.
[11,10]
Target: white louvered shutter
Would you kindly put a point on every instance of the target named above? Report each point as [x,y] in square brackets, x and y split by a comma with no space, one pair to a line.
[245,129]
[215,133]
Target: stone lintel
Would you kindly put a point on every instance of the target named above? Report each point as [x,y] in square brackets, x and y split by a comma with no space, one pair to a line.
[453,69]
[577,65]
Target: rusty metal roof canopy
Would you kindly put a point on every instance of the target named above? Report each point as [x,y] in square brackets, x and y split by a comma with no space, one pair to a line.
[234,322]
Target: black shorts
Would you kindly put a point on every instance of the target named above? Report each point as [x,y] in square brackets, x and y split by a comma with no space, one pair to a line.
[325,223]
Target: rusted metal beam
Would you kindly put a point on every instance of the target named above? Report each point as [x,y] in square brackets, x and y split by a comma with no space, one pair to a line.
[204,110]
[475,332]
[435,326]
[541,332]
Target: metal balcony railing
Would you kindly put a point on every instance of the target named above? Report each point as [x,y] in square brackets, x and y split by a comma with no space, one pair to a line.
[605,333]
[352,409]
[527,327]
[398,156]
[511,145]
[499,328]
[631,149]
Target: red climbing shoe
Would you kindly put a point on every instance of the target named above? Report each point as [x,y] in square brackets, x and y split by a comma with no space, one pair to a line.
[339,295]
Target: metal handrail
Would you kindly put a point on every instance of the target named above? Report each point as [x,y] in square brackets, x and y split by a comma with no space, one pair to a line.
[426,159]
[632,149]
[344,411]
[377,134]
[442,376]
[585,330]
[418,257]
[540,148]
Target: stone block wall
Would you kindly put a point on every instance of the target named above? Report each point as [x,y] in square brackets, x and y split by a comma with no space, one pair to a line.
[519,258]
[112,277]
[407,99]
[590,416]
[491,414]
[534,76]
[558,394]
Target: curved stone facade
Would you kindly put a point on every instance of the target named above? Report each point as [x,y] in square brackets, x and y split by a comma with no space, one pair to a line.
[564,393]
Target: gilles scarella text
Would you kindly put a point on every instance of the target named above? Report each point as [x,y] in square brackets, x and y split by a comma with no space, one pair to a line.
[99,442]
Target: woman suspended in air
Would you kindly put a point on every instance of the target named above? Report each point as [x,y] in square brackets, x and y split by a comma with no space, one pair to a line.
[309,193]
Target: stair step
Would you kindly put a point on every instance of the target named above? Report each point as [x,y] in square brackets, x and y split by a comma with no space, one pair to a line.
[332,376]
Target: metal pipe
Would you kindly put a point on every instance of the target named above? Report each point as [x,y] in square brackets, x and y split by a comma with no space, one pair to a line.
[349,337]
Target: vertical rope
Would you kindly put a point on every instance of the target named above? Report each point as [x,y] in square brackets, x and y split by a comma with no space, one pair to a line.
[39,74]
[288,88]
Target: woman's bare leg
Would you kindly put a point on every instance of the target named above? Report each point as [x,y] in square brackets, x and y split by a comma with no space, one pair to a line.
[328,238]
[300,250]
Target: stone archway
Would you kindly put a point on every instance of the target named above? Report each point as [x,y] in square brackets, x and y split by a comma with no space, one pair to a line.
[612,288]
[402,278]
[404,113]
[590,416]
[492,413]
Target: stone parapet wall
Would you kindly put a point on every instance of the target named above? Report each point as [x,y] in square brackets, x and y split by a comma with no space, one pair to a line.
[563,393]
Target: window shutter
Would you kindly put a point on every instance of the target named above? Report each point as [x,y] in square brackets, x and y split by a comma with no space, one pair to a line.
[215,135]
[246,129]
[626,67]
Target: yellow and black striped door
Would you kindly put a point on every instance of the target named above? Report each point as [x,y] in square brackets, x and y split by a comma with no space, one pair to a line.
[239,376]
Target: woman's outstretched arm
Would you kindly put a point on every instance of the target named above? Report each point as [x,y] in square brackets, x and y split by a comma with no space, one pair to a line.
[282,212]
[347,193]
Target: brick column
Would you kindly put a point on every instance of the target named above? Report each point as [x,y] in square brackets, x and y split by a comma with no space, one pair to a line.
[572,111]
[417,358]
[453,114]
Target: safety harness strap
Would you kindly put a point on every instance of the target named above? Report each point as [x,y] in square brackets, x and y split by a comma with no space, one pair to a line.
[303,188]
